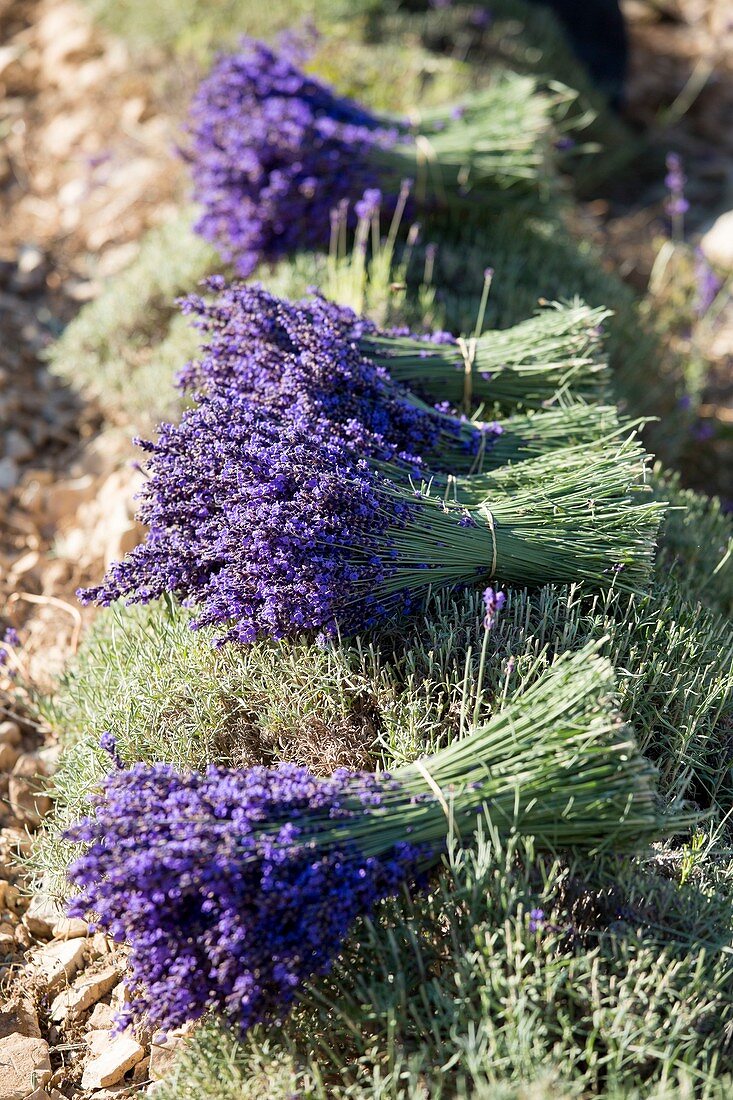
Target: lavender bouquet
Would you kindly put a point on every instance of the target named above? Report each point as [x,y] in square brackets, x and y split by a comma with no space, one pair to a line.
[269,528]
[233,888]
[315,360]
[551,358]
[273,151]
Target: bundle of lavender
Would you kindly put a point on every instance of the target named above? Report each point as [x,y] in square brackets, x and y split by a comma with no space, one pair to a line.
[233,888]
[307,360]
[275,527]
[555,356]
[274,150]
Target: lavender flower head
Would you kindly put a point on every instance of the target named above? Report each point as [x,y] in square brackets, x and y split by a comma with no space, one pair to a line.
[263,528]
[676,204]
[223,884]
[493,605]
[302,361]
[272,152]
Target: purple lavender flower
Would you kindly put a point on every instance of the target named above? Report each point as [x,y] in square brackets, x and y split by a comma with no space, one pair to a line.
[220,887]
[369,204]
[493,605]
[273,151]
[108,742]
[676,204]
[303,361]
[10,638]
[536,920]
[262,526]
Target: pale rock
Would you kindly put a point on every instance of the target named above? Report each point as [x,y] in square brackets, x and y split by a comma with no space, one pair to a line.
[9,474]
[58,961]
[717,243]
[22,937]
[18,446]
[38,1094]
[163,1050]
[120,996]
[30,273]
[98,1041]
[86,991]
[101,945]
[8,757]
[24,1065]
[112,1061]
[10,733]
[28,800]
[41,916]
[8,54]
[48,758]
[70,928]
[18,1016]
[101,1018]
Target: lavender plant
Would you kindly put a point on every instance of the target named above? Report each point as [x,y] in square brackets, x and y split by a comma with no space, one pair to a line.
[234,887]
[274,150]
[269,528]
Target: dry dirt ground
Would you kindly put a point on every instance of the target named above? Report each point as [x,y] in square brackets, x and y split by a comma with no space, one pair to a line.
[86,133]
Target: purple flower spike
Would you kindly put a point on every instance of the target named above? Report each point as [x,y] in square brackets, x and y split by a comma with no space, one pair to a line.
[272,152]
[676,204]
[493,605]
[262,526]
[536,920]
[303,361]
[218,884]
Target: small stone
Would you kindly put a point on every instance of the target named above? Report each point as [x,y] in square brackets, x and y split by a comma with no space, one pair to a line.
[57,961]
[18,1016]
[164,1048]
[41,916]
[112,1062]
[10,733]
[120,996]
[22,937]
[100,945]
[17,446]
[9,474]
[30,272]
[717,243]
[86,991]
[8,757]
[70,928]
[28,800]
[140,1071]
[102,1017]
[24,1064]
